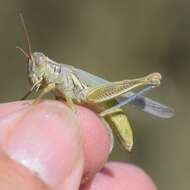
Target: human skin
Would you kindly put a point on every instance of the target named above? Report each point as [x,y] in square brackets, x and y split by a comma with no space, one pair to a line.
[47,146]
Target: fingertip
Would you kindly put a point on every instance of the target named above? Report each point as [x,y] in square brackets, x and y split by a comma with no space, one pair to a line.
[97,140]
[121,176]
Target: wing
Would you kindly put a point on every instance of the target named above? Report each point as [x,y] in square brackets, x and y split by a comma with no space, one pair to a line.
[143,103]
[150,106]
[88,78]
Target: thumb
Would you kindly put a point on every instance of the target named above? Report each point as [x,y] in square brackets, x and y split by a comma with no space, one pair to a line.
[46,139]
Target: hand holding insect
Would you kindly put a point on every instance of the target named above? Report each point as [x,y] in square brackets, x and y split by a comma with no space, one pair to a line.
[45,143]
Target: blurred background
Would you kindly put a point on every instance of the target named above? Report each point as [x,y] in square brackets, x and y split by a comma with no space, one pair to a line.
[115,40]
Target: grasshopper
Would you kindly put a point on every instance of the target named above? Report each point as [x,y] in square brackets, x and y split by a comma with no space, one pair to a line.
[80,87]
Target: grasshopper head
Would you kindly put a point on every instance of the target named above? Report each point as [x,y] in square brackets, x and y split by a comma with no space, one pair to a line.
[36,68]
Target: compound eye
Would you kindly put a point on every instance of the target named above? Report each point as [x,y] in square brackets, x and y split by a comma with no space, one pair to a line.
[39,60]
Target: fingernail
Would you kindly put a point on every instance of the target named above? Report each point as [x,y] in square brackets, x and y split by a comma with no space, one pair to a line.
[46,139]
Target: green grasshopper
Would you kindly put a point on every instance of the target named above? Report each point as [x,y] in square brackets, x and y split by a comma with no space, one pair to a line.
[105,98]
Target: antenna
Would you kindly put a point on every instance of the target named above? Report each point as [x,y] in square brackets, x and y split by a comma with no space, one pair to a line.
[27,38]
[23,52]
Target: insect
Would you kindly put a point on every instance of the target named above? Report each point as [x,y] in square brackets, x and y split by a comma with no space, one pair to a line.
[105,98]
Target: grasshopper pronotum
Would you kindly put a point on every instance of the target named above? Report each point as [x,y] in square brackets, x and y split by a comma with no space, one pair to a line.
[104,97]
